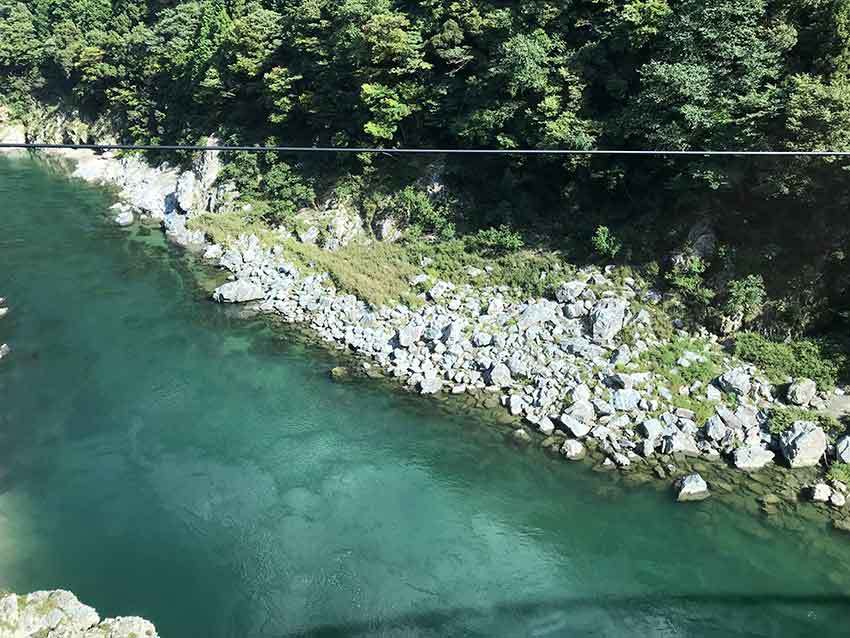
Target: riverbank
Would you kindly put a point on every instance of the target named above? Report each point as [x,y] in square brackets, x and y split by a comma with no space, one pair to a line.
[599,372]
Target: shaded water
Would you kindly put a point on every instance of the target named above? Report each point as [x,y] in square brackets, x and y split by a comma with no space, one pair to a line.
[161,456]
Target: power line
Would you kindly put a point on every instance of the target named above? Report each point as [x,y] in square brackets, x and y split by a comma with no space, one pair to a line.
[415,151]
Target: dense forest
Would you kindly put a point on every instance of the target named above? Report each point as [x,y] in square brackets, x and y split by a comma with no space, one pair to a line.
[636,74]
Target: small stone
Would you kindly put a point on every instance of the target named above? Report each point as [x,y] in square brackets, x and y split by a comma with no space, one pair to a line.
[692,488]
[339,373]
[499,375]
[124,218]
[842,449]
[4,350]
[626,400]
[837,499]
[751,458]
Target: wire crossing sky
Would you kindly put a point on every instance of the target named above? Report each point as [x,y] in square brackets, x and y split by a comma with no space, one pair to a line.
[418,151]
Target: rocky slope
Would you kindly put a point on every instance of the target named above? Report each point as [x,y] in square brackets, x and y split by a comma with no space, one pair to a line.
[581,369]
[58,614]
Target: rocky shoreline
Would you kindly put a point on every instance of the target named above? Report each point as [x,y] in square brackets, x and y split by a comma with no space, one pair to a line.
[59,614]
[574,369]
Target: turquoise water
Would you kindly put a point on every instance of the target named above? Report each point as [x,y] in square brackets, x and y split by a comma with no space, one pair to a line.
[162,456]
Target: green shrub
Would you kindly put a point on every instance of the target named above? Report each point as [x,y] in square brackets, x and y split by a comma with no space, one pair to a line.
[687,278]
[839,472]
[605,244]
[423,214]
[801,358]
[496,240]
[781,419]
[746,298]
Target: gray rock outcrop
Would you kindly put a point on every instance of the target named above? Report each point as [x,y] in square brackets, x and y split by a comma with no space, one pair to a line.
[58,614]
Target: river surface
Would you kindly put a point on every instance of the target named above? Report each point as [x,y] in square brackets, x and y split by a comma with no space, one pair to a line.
[162,456]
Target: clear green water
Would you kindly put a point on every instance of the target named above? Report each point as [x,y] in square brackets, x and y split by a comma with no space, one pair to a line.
[161,456]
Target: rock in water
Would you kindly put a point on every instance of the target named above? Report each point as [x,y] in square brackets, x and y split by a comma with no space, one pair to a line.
[4,350]
[803,445]
[751,457]
[607,317]
[802,391]
[58,614]
[573,450]
[820,492]
[339,373]
[124,218]
[521,436]
[239,291]
[692,488]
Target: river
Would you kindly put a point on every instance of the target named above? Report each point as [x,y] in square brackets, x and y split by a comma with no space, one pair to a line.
[164,456]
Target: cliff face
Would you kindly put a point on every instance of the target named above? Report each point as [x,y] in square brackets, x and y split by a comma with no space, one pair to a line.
[58,614]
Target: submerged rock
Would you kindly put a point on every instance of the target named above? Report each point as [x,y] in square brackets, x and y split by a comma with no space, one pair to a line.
[4,350]
[752,457]
[59,614]
[692,488]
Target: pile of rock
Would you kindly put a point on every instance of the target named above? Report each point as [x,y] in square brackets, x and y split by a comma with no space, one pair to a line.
[58,614]
[557,364]
[834,493]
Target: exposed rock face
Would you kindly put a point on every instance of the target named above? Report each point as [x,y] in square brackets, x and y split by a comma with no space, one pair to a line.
[802,391]
[803,445]
[692,488]
[238,291]
[58,614]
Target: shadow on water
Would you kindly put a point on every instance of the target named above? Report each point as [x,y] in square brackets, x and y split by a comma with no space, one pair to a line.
[547,617]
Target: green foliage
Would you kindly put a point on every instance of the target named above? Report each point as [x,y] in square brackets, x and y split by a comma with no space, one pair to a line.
[800,358]
[496,240]
[686,277]
[663,360]
[781,419]
[605,244]
[423,214]
[839,472]
[746,298]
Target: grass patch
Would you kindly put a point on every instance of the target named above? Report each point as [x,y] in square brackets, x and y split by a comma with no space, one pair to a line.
[662,360]
[800,358]
[224,228]
[781,419]
[839,472]
[378,273]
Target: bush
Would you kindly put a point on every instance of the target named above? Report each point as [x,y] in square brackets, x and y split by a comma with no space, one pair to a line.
[746,298]
[801,358]
[686,278]
[423,214]
[781,419]
[839,472]
[605,244]
[496,240]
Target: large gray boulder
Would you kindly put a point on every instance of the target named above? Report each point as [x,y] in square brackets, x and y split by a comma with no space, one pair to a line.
[573,450]
[802,391]
[803,444]
[537,313]
[751,457]
[239,291]
[607,318]
[578,429]
[736,381]
[59,614]
[569,291]
[692,488]
[410,334]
